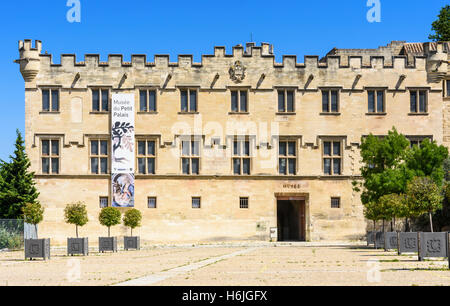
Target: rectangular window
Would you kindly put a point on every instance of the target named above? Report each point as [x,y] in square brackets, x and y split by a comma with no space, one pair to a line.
[147,100]
[417,140]
[188,100]
[99,156]
[332,157]
[50,156]
[376,101]
[286,101]
[241,157]
[335,202]
[330,101]
[190,156]
[447,86]
[103,202]
[100,100]
[239,101]
[50,100]
[196,202]
[146,156]
[151,202]
[243,203]
[287,158]
[418,101]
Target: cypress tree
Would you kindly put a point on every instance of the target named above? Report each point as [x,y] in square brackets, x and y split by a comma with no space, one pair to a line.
[17,186]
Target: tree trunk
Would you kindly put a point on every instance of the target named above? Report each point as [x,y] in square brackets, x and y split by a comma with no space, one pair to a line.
[431,221]
[406,225]
[35,229]
[131,231]
[392,226]
[76,230]
[374,225]
[383,225]
[108,232]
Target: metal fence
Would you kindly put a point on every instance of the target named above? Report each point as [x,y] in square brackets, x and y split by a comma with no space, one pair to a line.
[13,232]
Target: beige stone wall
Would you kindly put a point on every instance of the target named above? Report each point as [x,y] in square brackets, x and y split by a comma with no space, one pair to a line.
[220,216]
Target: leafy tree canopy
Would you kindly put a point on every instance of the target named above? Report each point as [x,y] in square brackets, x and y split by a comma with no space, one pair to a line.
[423,196]
[428,160]
[132,218]
[441,26]
[392,206]
[33,213]
[76,214]
[372,211]
[109,216]
[384,170]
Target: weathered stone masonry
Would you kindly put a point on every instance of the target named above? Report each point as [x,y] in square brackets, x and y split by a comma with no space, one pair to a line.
[395,70]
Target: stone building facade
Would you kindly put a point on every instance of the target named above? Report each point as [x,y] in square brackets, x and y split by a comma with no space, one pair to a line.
[237,147]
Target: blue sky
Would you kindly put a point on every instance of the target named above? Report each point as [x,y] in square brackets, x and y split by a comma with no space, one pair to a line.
[194,27]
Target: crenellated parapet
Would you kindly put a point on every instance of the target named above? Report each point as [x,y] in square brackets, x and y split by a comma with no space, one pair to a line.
[259,61]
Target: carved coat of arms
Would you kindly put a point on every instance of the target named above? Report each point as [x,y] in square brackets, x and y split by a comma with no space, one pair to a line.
[237,72]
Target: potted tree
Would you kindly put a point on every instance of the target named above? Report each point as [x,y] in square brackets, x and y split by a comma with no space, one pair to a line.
[132,219]
[33,213]
[109,216]
[77,214]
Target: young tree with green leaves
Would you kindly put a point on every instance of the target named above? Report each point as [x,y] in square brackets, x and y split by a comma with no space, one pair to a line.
[109,216]
[132,219]
[428,160]
[372,212]
[424,196]
[33,213]
[392,207]
[76,214]
[441,26]
[383,170]
[17,186]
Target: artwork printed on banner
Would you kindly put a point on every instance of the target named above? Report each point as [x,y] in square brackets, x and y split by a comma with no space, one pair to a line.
[122,133]
[123,146]
[123,190]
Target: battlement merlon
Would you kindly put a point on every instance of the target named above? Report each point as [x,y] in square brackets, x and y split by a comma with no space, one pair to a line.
[433,57]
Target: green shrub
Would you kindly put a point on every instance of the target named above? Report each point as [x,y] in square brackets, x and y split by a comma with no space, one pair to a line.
[10,240]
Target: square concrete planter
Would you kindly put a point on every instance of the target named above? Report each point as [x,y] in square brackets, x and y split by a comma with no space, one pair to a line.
[432,245]
[390,241]
[131,242]
[37,248]
[107,244]
[77,246]
[370,238]
[408,243]
[379,240]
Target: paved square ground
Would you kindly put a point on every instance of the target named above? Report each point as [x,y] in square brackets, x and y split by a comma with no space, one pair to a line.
[254,264]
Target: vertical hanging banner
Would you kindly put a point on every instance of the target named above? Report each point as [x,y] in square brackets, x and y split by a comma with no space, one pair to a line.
[123,146]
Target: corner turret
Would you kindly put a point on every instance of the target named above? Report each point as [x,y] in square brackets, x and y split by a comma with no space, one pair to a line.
[437,60]
[29,59]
